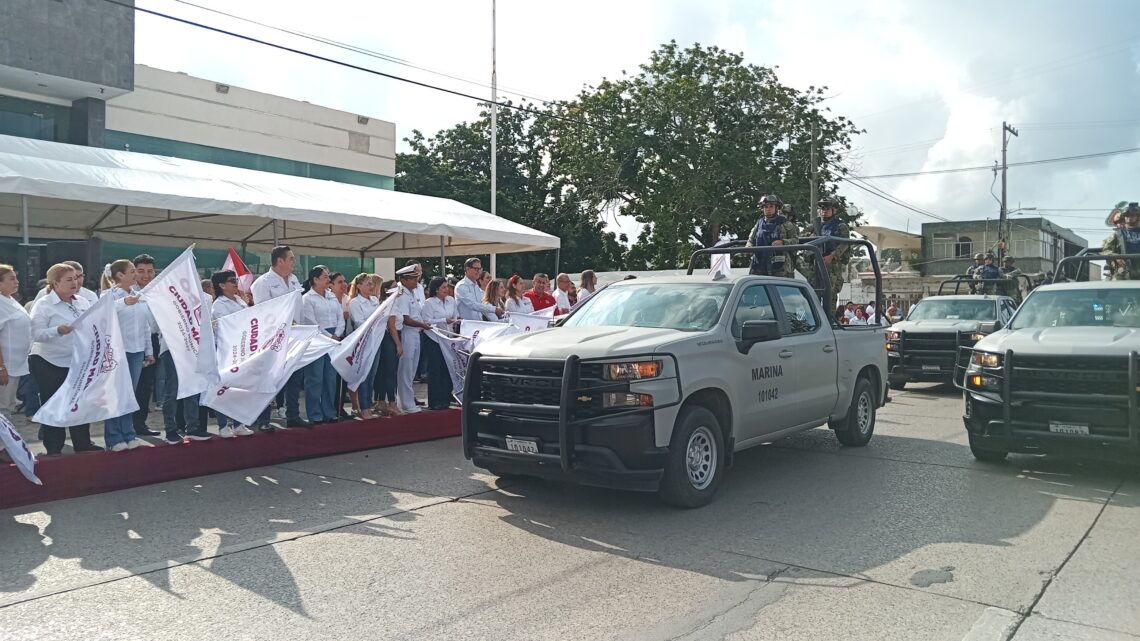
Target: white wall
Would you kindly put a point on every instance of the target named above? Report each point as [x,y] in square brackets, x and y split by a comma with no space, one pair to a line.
[179,107]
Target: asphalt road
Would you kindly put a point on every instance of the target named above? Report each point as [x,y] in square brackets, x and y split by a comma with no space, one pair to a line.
[907,538]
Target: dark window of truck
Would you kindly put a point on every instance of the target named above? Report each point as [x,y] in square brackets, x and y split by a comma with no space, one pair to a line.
[800,314]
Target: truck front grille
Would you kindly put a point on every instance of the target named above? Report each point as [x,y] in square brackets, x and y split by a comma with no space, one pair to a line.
[537,383]
[1070,375]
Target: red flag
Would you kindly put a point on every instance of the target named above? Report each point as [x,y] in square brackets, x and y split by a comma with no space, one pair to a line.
[234,264]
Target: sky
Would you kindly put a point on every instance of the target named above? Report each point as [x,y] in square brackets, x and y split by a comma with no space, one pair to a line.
[930,81]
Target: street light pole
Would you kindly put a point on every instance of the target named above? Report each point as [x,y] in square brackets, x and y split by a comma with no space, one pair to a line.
[494,125]
[1006,128]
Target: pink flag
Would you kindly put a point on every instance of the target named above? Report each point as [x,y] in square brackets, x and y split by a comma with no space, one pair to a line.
[235,264]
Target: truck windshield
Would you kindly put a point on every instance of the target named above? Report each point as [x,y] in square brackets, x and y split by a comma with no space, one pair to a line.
[686,307]
[934,309]
[1080,308]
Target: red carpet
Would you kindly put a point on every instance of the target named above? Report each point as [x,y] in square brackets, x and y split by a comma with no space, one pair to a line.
[74,475]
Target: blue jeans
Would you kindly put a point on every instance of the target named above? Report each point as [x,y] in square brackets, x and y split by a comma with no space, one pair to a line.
[121,429]
[385,386]
[366,392]
[29,394]
[170,399]
[320,390]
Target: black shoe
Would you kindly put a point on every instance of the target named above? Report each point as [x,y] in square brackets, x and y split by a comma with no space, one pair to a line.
[172,439]
[268,427]
[419,402]
[88,448]
[199,435]
[298,422]
[145,431]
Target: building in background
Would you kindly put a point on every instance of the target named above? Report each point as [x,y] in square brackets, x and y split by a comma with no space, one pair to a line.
[67,74]
[1036,243]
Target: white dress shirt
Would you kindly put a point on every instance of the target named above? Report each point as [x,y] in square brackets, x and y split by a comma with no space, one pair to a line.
[561,300]
[437,311]
[405,305]
[583,294]
[87,294]
[134,321]
[225,306]
[15,336]
[520,306]
[360,308]
[270,285]
[469,299]
[48,314]
[324,311]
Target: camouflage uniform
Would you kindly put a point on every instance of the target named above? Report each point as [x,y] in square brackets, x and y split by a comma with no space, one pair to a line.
[1124,241]
[988,272]
[767,230]
[971,271]
[837,270]
[1013,287]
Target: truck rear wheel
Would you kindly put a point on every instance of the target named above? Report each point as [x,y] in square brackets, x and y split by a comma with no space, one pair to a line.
[978,447]
[696,460]
[856,428]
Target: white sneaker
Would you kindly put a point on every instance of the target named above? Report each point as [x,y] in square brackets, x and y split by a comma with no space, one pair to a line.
[119,447]
[226,432]
[133,443]
[242,430]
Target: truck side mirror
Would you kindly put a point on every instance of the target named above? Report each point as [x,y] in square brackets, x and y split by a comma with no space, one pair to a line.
[757,331]
[990,327]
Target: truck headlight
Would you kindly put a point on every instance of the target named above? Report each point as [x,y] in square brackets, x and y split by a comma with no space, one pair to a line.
[893,336]
[632,371]
[986,359]
[983,382]
[977,336]
[626,399]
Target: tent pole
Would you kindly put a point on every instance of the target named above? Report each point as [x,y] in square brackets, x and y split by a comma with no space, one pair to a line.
[362,261]
[274,232]
[24,208]
[557,259]
[442,259]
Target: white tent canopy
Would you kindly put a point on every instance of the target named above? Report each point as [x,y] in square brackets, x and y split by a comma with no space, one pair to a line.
[78,192]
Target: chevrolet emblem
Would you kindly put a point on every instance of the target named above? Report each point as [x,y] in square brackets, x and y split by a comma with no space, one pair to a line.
[585,399]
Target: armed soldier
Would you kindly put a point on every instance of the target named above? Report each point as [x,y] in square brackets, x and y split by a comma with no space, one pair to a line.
[1013,287]
[971,271]
[988,271]
[835,255]
[1126,240]
[772,230]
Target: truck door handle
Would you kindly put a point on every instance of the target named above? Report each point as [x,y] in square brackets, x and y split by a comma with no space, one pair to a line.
[786,353]
[829,348]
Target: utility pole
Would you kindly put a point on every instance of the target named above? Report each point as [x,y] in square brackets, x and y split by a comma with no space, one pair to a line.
[1006,130]
[814,178]
[494,126]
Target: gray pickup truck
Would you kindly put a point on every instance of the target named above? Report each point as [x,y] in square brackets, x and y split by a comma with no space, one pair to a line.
[1062,376]
[653,384]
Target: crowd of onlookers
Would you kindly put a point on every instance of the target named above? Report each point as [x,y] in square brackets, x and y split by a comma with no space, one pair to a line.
[865,313]
[36,342]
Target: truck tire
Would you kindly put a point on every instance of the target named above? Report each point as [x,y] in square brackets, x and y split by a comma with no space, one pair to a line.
[696,460]
[856,428]
[985,452]
[896,385]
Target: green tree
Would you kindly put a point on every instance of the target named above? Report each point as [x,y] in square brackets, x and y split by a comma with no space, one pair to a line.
[688,146]
[456,164]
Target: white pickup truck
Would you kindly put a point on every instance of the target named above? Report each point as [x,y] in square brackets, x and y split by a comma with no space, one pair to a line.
[1062,376]
[653,384]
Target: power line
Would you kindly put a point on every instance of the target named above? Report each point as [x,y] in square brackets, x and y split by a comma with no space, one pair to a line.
[875,191]
[1024,163]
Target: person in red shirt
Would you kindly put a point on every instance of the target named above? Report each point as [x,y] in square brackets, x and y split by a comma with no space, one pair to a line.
[540,295]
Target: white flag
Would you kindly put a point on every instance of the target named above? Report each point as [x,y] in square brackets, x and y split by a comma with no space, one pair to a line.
[98,384]
[721,267]
[479,331]
[353,358]
[18,451]
[456,351]
[180,308]
[253,344]
[547,312]
[306,344]
[530,322]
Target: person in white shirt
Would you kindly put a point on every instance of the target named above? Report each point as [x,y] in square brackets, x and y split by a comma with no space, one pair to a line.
[227,300]
[587,286]
[362,302]
[412,325]
[321,308]
[145,389]
[84,293]
[50,356]
[516,302]
[495,294]
[562,293]
[849,313]
[134,325]
[872,314]
[278,281]
[440,311]
[15,340]
[469,296]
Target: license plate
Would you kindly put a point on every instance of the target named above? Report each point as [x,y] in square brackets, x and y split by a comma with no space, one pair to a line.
[521,445]
[1069,428]
[931,368]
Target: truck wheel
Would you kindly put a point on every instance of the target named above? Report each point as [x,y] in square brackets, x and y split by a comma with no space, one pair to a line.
[696,460]
[985,452]
[855,429]
[896,385]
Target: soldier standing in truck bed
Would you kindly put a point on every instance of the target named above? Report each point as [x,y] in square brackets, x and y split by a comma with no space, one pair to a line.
[835,255]
[1013,287]
[1126,240]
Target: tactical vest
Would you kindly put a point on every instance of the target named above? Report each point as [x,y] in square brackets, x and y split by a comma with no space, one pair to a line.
[1129,240]
[767,230]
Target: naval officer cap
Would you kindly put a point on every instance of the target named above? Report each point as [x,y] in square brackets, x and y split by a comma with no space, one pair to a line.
[410,270]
